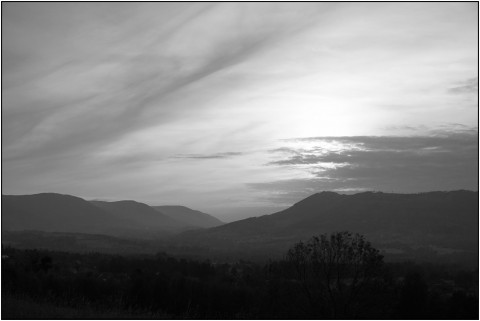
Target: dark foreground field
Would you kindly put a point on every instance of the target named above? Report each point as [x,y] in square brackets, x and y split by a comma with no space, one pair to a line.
[21,307]
[41,284]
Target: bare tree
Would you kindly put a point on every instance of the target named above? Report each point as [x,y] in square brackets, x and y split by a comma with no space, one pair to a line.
[334,271]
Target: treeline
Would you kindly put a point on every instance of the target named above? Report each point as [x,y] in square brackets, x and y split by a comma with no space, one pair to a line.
[180,288]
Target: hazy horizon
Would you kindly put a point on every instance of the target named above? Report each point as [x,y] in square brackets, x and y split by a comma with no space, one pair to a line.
[238,108]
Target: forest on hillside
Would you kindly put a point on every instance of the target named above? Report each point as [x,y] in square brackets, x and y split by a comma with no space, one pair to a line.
[42,284]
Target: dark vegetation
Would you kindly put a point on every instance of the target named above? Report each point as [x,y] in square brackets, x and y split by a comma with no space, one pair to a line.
[337,276]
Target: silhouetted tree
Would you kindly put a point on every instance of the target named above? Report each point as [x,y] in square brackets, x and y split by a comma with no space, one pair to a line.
[335,271]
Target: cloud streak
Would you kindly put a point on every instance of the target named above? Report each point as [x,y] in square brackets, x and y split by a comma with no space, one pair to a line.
[467,86]
[208,156]
[121,92]
[445,161]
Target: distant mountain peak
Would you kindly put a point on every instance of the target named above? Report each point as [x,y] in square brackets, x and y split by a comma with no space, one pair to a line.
[321,196]
[126,202]
[175,206]
[328,194]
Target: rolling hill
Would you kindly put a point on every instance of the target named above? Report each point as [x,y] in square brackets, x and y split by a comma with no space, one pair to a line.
[429,223]
[189,216]
[141,215]
[52,212]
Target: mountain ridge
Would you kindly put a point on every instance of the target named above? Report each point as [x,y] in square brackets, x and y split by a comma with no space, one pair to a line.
[189,216]
[56,212]
[439,221]
[143,215]
[434,220]
[48,212]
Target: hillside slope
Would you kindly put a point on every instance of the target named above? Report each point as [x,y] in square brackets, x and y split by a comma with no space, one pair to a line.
[141,215]
[51,212]
[189,216]
[441,222]
[55,213]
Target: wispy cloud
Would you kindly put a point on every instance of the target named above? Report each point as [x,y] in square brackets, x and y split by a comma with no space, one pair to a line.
[208,156]
[467,86]
[126,86]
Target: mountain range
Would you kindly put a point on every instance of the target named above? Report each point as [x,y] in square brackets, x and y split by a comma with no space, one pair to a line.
[423,224]
[51,212]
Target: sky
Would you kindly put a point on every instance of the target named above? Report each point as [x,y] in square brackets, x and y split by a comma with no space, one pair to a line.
[238,109]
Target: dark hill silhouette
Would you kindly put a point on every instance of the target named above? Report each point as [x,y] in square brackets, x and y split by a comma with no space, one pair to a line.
[54,213]
[51,212]
[141,214]
[189,216]
[444,222]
